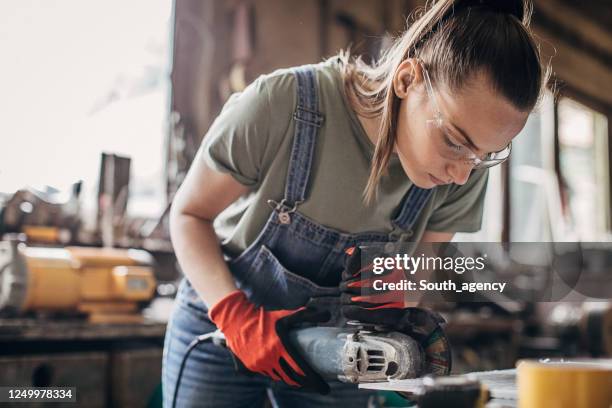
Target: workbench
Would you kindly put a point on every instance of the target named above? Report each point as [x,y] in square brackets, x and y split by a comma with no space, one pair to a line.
[109,364]
[500,383]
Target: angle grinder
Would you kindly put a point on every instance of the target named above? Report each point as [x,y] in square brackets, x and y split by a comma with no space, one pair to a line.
[358,353]
[371,353]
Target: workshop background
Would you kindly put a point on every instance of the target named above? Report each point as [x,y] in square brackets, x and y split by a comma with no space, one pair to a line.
[104,105]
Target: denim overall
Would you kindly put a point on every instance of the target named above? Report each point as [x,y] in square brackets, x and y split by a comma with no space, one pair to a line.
[292,259]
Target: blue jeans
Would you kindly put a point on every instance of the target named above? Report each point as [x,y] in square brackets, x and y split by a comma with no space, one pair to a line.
[210,379]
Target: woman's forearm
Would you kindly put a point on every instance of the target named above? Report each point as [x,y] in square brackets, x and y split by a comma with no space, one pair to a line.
[199,255]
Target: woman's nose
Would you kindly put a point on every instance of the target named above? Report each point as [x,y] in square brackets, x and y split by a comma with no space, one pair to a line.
[459,172]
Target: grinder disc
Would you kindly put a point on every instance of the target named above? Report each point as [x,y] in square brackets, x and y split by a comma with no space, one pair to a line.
[424,326]
[437,353]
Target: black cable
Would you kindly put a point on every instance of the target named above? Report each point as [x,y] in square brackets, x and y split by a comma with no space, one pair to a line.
[200,339]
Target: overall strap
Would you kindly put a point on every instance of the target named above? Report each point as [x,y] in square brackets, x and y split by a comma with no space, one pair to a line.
[308,120]
[414,202]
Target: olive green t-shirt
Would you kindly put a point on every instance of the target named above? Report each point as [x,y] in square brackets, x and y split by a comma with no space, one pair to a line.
[251,139]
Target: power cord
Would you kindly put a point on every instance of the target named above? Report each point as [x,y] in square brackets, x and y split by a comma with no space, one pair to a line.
[216,337]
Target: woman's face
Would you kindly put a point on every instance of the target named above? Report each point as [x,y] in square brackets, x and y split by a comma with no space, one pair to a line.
[476,117]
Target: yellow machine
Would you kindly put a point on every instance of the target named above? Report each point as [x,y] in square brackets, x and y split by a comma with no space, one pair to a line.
[107,284]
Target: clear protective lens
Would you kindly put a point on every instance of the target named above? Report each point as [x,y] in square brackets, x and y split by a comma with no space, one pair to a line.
[450,148]
[447,145]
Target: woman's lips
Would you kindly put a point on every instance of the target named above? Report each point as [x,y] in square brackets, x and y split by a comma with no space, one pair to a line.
[436,180]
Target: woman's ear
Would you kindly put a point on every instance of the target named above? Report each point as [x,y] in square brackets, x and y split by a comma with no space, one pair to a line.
[408,74]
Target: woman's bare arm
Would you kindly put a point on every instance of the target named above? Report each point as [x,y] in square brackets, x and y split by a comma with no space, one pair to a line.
[202,196]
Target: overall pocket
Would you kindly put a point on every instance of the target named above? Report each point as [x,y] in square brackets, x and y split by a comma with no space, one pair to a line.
[268,283]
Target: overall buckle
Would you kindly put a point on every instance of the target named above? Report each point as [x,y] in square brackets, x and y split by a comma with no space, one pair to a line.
[283,209]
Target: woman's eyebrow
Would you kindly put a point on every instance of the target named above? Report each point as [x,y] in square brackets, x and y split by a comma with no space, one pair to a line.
[465,135]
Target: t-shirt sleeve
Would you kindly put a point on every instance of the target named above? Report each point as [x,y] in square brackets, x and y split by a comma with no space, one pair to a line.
[237,140]
[461,210]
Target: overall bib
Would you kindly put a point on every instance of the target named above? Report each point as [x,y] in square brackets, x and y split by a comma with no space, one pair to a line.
[292,259]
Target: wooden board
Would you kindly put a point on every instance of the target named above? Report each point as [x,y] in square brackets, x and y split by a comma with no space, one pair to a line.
[501,384]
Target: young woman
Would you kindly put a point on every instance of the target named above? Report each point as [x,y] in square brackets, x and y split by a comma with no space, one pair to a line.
[309,161]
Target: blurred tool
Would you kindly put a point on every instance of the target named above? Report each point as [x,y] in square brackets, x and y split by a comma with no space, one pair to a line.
[113,194]
[45,216]
[586,324]
[109,285]
[464,392]
[565,384]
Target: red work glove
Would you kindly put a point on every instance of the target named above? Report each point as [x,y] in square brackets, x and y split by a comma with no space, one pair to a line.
[260,339]
[358,288]
[387,308]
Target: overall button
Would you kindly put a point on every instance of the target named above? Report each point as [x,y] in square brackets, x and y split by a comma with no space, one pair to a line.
[284,218]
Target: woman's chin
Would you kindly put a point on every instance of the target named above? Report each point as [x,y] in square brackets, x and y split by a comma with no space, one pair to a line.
[425,184]
[421,180]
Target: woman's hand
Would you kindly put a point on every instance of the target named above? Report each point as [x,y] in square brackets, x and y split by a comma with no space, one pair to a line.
[365,291]
[362,289]
[388,309]
[260,339]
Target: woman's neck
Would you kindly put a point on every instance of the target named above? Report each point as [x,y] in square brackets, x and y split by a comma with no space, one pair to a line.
[371,126]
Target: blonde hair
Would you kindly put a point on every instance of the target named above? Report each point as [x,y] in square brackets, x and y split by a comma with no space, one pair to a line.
[454,39]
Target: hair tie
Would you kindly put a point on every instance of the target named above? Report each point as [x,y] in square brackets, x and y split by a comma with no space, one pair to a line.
[513,7]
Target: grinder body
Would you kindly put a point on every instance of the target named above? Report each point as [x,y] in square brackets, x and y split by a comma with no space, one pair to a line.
[359,356]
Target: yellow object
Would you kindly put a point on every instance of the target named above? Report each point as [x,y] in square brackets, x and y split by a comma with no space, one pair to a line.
[47,235]
[89,280]
[485,396]
[571,384]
